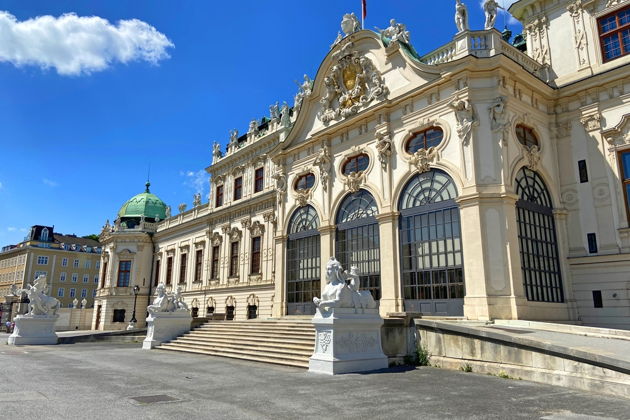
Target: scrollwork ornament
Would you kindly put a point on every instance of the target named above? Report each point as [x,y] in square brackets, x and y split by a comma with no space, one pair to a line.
[532,157]
[216,239]
[302,197]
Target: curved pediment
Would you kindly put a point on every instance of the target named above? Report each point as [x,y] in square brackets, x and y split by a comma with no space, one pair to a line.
[358,73]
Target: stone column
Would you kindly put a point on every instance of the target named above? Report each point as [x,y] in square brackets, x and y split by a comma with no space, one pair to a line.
[491,256]
[391,289]
[280,291]
[327,249]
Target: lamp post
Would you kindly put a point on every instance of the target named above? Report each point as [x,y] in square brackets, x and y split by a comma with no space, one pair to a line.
[132,323]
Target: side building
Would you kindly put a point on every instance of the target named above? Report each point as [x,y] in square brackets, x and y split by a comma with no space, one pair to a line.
[484,179]
[71,265]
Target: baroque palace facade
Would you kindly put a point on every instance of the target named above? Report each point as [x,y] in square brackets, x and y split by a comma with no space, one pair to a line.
[478,180]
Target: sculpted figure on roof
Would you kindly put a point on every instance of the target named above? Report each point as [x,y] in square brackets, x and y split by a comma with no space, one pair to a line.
[350,24]
[396,32]
[490,8]
[461,16]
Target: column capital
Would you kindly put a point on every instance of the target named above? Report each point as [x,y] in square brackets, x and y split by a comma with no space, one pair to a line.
[328,229]
[387,217]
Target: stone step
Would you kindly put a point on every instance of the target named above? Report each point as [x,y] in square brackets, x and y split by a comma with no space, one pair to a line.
[306,351]
[237,354]
[276,344]
[287,343]
[257,333]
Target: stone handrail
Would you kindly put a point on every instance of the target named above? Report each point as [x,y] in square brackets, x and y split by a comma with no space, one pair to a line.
[486,43]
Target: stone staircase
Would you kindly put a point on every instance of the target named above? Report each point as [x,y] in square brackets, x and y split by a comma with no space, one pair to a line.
[283,342]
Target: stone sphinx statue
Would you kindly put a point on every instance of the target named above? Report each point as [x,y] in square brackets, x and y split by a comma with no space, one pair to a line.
[39,303]
[165,302]
[343,289]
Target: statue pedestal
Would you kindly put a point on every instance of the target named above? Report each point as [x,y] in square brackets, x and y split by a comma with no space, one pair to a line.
[33,329]
[346,341]
[165,326]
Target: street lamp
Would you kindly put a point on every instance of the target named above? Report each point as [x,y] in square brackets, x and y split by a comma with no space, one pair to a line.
[132,323]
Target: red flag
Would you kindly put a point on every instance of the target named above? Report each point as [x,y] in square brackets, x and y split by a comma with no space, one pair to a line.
[364,8]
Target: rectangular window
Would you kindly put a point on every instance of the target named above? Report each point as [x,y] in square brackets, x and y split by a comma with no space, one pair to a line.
[83,293]
[96,279]
[64,262]
[42,260]
[624,159]
[94,293]
[97,265]
[103,274]
[86,278]
[60,292]
[88,264]
[583,171]
[255,268]
[183,260]
[259,180]
[219,196]
[75,264]
[75,277]
[124,273]
[234,259]
[592,243]
[73,292]
[119,315]
[198,264]
[62,276]
[214,272]
[597,299]
[40,273]
[169,270]
[614,34]
[157,273]
[238,188]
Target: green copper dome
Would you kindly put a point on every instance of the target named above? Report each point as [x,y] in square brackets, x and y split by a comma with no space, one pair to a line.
[144,204]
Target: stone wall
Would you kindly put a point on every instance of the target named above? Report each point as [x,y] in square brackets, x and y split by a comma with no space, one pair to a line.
[74,319]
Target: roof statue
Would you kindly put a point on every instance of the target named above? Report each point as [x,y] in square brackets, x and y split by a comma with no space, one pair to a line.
[461,16]
[182,207]
[350,24]
[216,152]
[304,91]
[285,115]
[196,200]
[490,8]
[233,136]
[253,128]
[396,32]
[274,112]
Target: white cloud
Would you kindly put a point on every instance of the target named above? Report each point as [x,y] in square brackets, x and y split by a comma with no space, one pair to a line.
[12,229]
[76,45]
[50,182]
[196,180]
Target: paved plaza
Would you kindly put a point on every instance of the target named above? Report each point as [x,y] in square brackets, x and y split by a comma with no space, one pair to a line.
[112,380]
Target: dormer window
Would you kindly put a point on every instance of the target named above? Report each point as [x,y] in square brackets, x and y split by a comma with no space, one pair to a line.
[44,235]
[304,182]
[614,34]
[358,163]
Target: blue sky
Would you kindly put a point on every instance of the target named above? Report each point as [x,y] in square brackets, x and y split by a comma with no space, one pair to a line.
[80,122]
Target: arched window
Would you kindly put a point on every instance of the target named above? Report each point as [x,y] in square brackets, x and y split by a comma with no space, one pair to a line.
[356,163]
[537,239]
[526,136]
[44,235]
[358,239]
[425,139]
[303,262]
[304,182]
[431,248]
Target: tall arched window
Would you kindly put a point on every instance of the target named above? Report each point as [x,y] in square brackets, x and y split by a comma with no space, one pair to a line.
[358,239]
[537,239]
[44,234]
[303,262]
[431,247]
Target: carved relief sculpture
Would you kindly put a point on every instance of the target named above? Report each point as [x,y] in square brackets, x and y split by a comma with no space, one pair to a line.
[216,239]
[532,156]
[324,162]
[281,183]
[302,196]
[461,16]
[353,181]
[256,228]
[466,119]
[579,33]
[383,148]
[350,85]
[423,158]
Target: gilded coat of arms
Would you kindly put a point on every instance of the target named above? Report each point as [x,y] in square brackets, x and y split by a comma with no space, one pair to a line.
[351,84]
